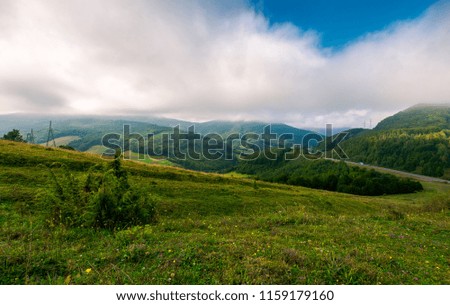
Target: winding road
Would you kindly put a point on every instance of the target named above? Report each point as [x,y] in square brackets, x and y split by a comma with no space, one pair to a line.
[395,172]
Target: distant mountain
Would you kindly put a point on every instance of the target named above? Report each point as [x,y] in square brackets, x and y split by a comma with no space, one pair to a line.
[161,121]
[415,140]
[225,128]
[334,131]
[87,132]
[84,133]
[354,132]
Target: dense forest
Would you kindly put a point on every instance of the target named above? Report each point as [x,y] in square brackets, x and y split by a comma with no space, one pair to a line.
[327,175]
[409,150]
[415,140]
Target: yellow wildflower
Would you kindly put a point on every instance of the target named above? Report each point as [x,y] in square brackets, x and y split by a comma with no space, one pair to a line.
[67,280]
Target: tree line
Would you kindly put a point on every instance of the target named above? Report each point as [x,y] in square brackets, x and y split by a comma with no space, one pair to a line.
[328,175]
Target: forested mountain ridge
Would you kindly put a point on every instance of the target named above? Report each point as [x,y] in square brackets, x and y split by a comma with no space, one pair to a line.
[416,140]
[85,133]
[90,129]
[420,116]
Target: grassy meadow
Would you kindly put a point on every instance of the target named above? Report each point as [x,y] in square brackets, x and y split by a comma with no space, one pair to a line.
[221,229]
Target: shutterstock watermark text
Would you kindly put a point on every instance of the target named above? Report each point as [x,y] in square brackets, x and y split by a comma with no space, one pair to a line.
[189,144]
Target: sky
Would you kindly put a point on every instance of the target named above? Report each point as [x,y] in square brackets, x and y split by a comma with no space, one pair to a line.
[340,22]
[305,63]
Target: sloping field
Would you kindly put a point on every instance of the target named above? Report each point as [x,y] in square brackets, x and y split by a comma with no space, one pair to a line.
[215,229]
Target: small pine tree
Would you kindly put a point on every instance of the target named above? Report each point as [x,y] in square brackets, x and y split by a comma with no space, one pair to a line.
[103,200]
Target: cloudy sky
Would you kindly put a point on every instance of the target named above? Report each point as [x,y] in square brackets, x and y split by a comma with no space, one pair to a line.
[229,60]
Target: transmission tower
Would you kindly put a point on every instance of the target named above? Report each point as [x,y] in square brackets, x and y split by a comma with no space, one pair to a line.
[30,137]
[51,135]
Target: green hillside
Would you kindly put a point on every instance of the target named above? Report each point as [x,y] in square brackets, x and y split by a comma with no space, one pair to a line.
[421,116]
[416,140]
[217,229]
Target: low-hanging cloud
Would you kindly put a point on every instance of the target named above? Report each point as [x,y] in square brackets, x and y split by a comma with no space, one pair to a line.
[204,60]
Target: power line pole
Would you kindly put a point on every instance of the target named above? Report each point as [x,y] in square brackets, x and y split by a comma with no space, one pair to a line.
[30,137]
[50,135]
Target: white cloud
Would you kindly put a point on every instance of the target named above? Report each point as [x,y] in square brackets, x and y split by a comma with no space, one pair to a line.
[204,60]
